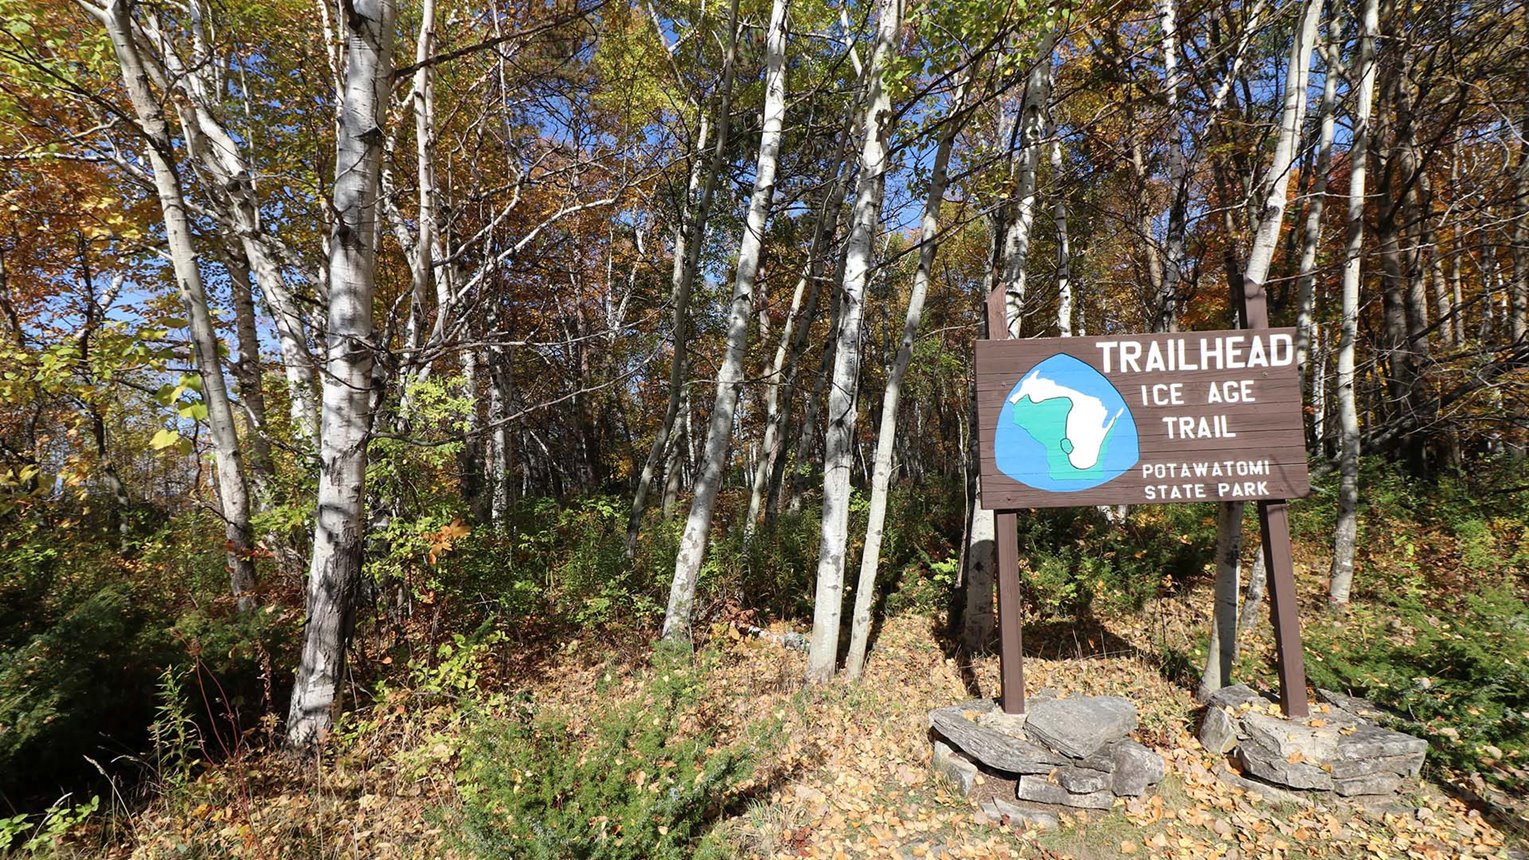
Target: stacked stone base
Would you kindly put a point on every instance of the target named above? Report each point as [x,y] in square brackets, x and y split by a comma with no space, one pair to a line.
[1339,749]
[1070,752]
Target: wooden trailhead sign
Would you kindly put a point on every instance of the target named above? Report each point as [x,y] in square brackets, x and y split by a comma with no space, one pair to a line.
[1133,419]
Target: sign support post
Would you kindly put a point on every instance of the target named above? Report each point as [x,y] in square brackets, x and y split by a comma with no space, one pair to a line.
[1011,653]
[1279,567]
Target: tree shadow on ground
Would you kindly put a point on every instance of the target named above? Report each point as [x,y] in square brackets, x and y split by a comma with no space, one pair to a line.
[1080,638]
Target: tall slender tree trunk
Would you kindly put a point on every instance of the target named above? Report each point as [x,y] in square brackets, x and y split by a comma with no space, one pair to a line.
[334,573]
[1008,272]
[675,465]
[1306,301]
[1266,234]
[719,432]
[1221,653]
[422,259]
[1167,316]
[1518,317]
[250,376]
[1321,346]
[689,238]
[233,492]
[1342,573]
[881,479]
[1064,286]
[781,382]
[225,163]
[1016,246]
[839,440]
[501,385]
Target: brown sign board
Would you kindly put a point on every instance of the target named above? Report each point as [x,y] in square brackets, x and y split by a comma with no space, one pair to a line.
[1132,419]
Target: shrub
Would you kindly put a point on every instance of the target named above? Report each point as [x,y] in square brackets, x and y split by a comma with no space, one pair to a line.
[86,637]
[1074,559]
[1458,675]
[645,780]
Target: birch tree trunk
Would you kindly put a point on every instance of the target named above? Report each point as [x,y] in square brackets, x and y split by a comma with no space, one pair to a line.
[784,368]
[1307,280]
[1347,526]
[233,492]
[1221,653]
[1167,317]
[881,479]
[839,440]
[335,569]
[1518,317]
[1064,300]
[1255,271]
[1016,246]
[249,376]
[687,565]
[224,161]
[689,238]
[422,260]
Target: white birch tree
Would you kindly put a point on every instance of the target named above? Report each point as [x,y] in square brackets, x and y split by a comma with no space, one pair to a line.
[1342,572]
[839,439]
[719,431]
[233,491]
[881,476]
[334,572]
[1222,651]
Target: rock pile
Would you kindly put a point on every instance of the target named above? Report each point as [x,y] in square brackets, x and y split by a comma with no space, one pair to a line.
[1067,752]
[1339,748]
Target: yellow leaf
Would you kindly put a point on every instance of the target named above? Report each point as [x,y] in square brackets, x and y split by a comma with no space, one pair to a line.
[164,439]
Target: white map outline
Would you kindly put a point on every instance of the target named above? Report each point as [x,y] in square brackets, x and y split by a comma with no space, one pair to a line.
[1086,426]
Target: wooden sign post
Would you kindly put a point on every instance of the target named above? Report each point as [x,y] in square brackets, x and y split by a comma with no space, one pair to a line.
[1134,419]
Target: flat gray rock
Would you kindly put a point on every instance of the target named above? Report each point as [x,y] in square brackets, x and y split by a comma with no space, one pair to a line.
[1218,730]
[1037,789]
[1378,783]
[1353,705]
[1263,789]
[1080,726]
[992,748]
[1136,768]
[1235,695]
[1375,742]
[977,707]
[1082,780]
[1012,725]
[1315,744]
[999,809]
[1401,765]
[1266,763]
[954,767]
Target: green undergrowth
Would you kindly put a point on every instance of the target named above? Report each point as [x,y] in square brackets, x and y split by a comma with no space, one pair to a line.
[89,629]
[1438,632]
[642,778]
[1454,671]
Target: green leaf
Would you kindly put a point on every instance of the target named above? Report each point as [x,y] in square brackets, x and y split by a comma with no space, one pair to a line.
[164,439]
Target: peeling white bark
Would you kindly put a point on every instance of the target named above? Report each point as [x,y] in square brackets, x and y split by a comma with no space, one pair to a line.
[881,478]
[839,440]
[1342,572]
[687,565]
[335,569]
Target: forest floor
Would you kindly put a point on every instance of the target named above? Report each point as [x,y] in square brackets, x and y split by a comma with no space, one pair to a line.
[850,777]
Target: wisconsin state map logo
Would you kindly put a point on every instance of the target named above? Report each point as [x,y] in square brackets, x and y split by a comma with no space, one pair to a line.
[1064,428]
